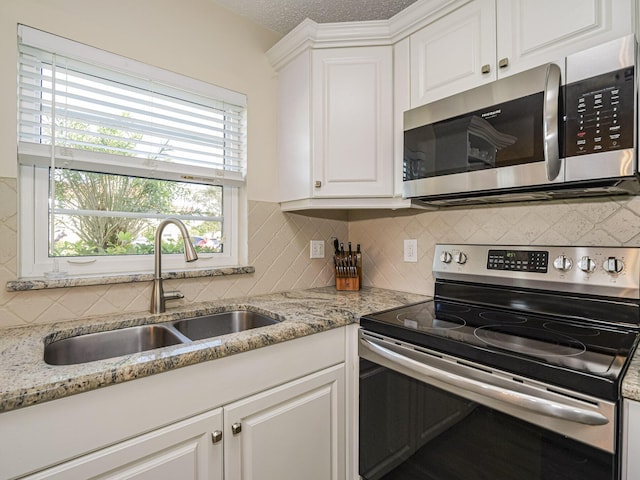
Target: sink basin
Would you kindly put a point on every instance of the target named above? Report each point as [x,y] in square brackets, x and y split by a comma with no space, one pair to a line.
[101,345]
[222,323]
[125,341]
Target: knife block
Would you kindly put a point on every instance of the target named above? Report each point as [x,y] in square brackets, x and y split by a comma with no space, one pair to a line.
[348,271]
[347,283]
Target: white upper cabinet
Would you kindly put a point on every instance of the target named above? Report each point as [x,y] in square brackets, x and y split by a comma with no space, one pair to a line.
[336,129]
[487,39]
[294,129]
[454,53]
[533,33]
[352,111]
[343,88]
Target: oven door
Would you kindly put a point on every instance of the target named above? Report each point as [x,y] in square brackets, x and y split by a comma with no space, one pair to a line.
[427,416]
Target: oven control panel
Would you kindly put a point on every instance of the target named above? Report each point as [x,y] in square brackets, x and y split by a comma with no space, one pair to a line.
[607,271]
[518,260]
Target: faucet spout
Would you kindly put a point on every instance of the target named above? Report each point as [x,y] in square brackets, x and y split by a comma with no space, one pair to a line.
[158,297]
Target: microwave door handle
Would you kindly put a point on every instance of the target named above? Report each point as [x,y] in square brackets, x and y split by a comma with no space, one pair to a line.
[550,122]
[532,403]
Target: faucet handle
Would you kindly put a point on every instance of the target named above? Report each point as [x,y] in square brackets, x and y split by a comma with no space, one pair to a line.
[173,295]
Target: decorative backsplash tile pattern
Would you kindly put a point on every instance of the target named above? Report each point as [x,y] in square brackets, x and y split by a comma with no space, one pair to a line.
[611,221]
[278,249]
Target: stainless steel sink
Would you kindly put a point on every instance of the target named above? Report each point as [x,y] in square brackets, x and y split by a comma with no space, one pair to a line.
[101,345]
[125,341]
[222,323]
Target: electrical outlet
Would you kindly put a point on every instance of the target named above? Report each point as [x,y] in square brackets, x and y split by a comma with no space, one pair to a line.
[411,250]
[316,249]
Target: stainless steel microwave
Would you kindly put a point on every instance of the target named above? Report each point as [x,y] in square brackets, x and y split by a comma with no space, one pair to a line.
[566,129]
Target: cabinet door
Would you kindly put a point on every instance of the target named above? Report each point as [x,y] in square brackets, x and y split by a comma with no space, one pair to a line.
[631,440]
[294,128]
[291,432]
[184,451]
[352,122]
[532,33]
[454,53]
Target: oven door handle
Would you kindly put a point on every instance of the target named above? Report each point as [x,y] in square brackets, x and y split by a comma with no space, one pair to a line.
[531,403]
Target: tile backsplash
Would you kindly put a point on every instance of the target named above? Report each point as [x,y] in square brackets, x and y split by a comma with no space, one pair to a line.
[279,251]
[611,221]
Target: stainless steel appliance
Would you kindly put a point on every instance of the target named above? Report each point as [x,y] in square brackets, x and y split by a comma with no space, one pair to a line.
[511,372]
[559,130]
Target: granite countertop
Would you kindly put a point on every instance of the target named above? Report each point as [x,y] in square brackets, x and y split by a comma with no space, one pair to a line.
[631,382]
[25,379]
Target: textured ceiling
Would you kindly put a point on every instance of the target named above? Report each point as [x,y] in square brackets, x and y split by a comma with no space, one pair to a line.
[283,15]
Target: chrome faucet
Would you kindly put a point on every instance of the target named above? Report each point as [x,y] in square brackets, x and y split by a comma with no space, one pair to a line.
[158,295]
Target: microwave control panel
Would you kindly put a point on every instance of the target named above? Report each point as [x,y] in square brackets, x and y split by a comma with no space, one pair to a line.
[600,113]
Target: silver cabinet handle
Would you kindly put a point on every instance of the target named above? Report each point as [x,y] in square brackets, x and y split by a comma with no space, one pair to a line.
[216,436]
[236,428]
[550,122]
[317,184]
[522,400]
[503,63]
[486,68]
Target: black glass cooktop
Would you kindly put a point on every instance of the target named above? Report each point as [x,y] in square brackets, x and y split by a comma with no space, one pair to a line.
[589,357]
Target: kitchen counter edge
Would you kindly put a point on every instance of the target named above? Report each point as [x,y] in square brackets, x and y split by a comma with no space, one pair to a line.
[25,379]
[631,381]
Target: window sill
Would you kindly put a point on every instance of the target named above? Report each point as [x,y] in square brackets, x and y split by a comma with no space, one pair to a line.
[21,285]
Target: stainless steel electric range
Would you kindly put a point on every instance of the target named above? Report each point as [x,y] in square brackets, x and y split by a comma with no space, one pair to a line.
[513,371]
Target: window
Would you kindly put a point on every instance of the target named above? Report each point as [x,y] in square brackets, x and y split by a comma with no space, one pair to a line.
[109,147]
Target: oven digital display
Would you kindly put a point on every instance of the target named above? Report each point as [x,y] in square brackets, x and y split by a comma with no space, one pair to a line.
[518,260]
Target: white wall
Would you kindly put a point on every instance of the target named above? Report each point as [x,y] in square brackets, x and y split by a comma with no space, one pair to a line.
[196,38]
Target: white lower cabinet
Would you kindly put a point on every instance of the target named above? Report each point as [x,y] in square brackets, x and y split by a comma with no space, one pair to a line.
[182,451]
[631,440]
[276,412]
[289,433]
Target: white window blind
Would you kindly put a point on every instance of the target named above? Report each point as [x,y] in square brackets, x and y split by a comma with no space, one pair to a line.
[131,125]
[108,147]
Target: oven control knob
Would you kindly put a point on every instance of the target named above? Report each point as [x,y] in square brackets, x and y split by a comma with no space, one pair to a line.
[445,257]
[563,263]
[460,257]
[613,265]
[587,264]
